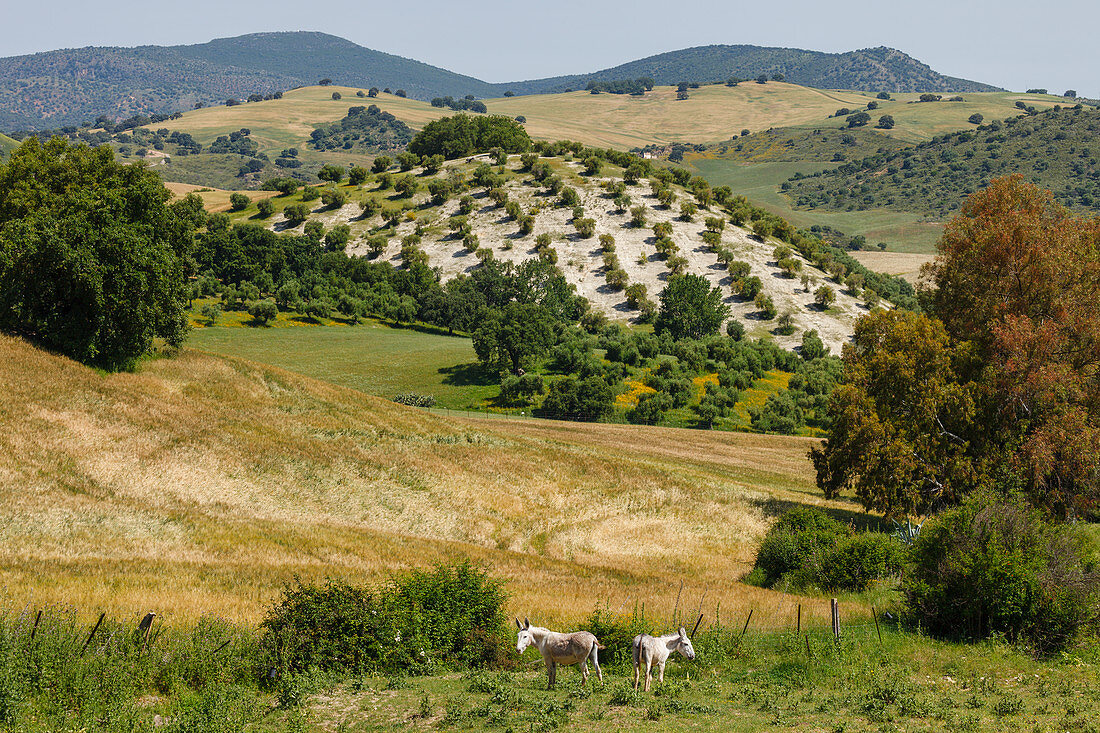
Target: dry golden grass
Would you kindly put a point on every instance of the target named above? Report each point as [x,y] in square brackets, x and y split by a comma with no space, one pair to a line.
[905,264]
[200,484]
[214,199]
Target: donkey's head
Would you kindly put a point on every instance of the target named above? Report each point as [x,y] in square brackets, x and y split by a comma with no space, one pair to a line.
[524,639]
[683,644]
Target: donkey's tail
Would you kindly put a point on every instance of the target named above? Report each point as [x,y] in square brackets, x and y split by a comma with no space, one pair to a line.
[600,646]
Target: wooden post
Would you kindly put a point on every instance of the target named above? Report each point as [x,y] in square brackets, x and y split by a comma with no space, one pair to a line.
[37,619]
[808,655]
[676,608]
[874,613]
[835,606]
[798,624]
[146,625]
[94,629]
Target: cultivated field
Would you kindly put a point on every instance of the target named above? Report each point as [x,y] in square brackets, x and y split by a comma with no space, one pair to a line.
[710,114]
[200,484]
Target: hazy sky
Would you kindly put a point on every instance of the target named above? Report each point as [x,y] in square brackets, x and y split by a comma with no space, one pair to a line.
[1010,43]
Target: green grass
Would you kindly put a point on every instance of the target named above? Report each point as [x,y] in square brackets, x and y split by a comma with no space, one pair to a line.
[7,144]
[901,231]
[371,357]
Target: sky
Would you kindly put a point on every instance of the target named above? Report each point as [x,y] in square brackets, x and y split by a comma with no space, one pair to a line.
[1016,44]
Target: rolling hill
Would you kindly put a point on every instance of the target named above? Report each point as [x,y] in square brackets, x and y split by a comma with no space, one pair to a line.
[1055,149]
[200,483]
[6,145]
[869,70]
[66,87]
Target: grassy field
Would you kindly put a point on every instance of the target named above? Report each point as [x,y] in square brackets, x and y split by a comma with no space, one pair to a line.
[710,114]
[370,357]
[6,144]
[200,484]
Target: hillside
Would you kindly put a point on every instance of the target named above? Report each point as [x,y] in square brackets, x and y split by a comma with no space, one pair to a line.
[713,114]
[200,483]
[431,227]
[68,86]
[1056,149]
[870,70]
[6,145]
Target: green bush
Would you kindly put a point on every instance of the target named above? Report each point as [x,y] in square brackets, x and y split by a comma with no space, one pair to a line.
[796,537]
[996,566]
[450,616]
[858,560]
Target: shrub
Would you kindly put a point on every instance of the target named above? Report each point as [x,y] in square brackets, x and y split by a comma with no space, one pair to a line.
[797,539]
[265,208]
[415,400]
[858,560]
[263,312]
[997,566]
[450,615]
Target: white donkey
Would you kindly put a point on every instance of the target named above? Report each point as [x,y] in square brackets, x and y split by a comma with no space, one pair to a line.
[650,650]
[557,648]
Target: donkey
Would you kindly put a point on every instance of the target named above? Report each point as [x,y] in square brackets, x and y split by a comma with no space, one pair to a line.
[557,648]
[650,650]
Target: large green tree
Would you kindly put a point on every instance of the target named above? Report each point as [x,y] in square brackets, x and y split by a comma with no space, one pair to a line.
[690,308]
[91,255]
[511,336]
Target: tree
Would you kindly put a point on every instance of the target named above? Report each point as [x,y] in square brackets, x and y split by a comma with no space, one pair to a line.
[263,312]
[295,214]
[1071,93]
[690,308]
[91,255]
[463,135]
[333,198]
[265,208]
[996,389]
[238,202]
[859,119]
[512,336]
[372,92]
[210,312]
[588,399]
[886,122]
[381,163]
[824,296]
[357,175]
[899,416]
[336,96]
[762,79]
[884,95]
[331,173]
[812,346]
[976,118]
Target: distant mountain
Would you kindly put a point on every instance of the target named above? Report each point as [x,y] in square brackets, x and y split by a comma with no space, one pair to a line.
[69,86]
[66,87]
[871,70]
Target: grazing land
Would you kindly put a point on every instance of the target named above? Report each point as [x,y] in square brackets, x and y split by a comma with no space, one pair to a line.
[200,484]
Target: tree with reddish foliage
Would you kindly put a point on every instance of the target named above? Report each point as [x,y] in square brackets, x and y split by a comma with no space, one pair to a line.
[1000,389]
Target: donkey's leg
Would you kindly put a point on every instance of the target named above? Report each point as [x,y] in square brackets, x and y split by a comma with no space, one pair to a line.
[661,672]
[596,662]
[584,671]
[637,669]
[648,674]
[553,673]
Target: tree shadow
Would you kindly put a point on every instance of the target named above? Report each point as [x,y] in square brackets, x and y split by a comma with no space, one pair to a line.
[472,374]
[773,507]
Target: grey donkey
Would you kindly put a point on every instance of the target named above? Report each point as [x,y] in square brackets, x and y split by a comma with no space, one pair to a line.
[557,648]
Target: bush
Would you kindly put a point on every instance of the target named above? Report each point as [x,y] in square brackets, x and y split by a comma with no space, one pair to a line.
[996,566]
[451,615]
[415,400]
[265,208]
[858,560]
[799,539]
[238,202]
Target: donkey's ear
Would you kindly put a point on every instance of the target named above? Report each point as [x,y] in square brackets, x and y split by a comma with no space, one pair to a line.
[519,625]
[526,623]
[683,633]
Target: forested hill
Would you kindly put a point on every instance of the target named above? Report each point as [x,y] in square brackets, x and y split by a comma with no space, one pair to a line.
[67,87]
[1058,150]
[870,69]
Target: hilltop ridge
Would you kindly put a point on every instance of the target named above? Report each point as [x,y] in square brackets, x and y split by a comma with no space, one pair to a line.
[69,86]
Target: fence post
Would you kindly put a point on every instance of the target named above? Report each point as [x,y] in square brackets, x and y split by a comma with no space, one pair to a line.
[836,617]
[798,625]
[90,635]
[808,655]
[746,626]
[37,619]
[877,629]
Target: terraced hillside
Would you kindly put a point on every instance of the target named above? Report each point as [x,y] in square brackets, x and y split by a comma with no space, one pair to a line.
[455,243]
